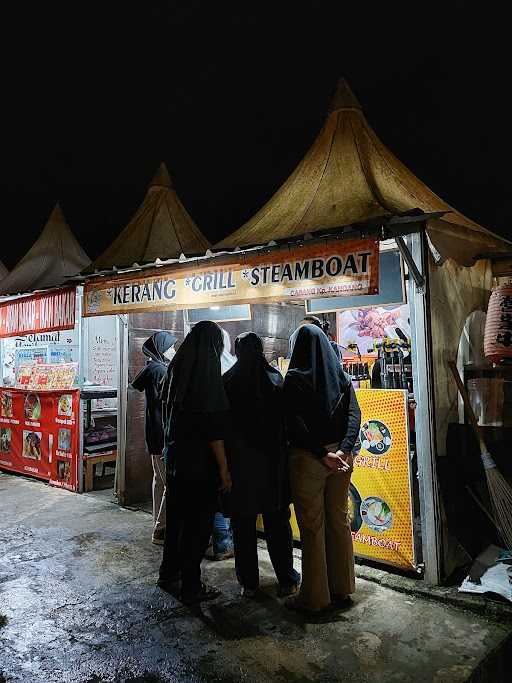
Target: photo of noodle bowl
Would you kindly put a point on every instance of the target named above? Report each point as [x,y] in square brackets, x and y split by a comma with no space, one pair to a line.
[32,445]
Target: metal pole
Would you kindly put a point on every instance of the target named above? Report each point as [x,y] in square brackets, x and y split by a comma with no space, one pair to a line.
[423,377]
[122,401]
[81,323]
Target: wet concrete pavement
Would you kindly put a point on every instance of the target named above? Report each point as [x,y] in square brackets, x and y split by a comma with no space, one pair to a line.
[77,590]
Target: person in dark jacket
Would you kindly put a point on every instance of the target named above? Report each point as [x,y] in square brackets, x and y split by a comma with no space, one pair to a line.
[323,421]
[196,411]
[257,460]
[158,349]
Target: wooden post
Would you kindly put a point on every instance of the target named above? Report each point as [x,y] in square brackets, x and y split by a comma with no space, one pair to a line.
[423,377]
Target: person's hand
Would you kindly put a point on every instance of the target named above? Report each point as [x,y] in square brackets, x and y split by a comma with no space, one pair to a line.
[347,461]
[339,461]
[332,461]
[225,481]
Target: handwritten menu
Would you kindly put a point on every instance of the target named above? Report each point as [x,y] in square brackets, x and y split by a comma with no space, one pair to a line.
[103,362]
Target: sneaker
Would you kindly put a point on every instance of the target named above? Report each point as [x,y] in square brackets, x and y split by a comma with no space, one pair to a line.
[288,591]
[226,555]
[205,593]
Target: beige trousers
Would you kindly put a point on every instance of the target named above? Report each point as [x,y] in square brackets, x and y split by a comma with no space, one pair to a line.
[320,498]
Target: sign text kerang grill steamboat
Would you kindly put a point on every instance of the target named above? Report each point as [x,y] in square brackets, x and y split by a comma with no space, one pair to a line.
[321,270]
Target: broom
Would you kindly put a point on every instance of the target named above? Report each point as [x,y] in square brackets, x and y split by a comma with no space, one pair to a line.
[499,490]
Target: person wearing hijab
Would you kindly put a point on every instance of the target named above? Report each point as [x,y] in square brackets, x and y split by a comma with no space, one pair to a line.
[258,465]
[196,412]
[324,326]
[158,349]
[323,421]
[222,537]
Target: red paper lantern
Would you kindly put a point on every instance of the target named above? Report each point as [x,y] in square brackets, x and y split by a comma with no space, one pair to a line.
[498,324]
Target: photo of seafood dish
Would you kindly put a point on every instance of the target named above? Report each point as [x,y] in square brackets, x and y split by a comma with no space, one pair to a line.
[32,445]
[64,439]
[5,440]
[6,403]
[65,406]
[32,407]
[377,514]
[375,437]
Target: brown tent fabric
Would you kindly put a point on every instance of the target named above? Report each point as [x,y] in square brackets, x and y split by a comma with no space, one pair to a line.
[348,176]
[3,271]
[54,256]
[160,229]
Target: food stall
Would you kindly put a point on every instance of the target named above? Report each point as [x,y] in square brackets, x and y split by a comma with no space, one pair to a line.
[276,284]
[58,393]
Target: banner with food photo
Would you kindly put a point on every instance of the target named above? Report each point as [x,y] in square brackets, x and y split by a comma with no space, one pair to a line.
[380,495]
[39,434]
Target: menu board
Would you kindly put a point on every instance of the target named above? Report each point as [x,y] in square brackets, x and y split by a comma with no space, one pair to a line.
[102,358]
[39,435]
[46,377]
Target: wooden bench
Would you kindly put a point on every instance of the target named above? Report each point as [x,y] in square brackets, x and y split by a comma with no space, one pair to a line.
[91,459]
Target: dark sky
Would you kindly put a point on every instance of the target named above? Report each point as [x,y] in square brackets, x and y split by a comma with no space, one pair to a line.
[231,97]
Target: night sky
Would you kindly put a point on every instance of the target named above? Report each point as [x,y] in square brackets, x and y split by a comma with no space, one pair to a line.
[231,98]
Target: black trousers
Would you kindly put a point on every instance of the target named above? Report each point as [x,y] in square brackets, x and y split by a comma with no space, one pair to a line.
[279,538]
[190,509]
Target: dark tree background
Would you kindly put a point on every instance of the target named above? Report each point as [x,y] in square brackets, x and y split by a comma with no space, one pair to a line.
[231,97]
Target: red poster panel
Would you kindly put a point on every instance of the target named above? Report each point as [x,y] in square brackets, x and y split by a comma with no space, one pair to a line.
[38,313]
[39,434]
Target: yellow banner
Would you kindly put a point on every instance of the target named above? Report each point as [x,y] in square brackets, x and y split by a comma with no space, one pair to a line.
[337,268]
[380,498]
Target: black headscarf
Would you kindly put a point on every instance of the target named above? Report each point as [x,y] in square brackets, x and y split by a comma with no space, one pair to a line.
[193,381]
[252,377]
[250,385]
[316,367]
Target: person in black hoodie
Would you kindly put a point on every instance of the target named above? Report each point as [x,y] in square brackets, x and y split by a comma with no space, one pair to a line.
[158,349]
[323,421]
[196,413]
[258,464]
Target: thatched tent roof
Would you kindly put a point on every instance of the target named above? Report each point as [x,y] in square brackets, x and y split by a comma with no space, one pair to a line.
[347,177]
[160,229]
[54,256]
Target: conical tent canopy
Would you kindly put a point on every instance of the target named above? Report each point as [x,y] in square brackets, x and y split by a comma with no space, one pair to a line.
[3,271]
[348,176]
[160,229]
[54,256]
